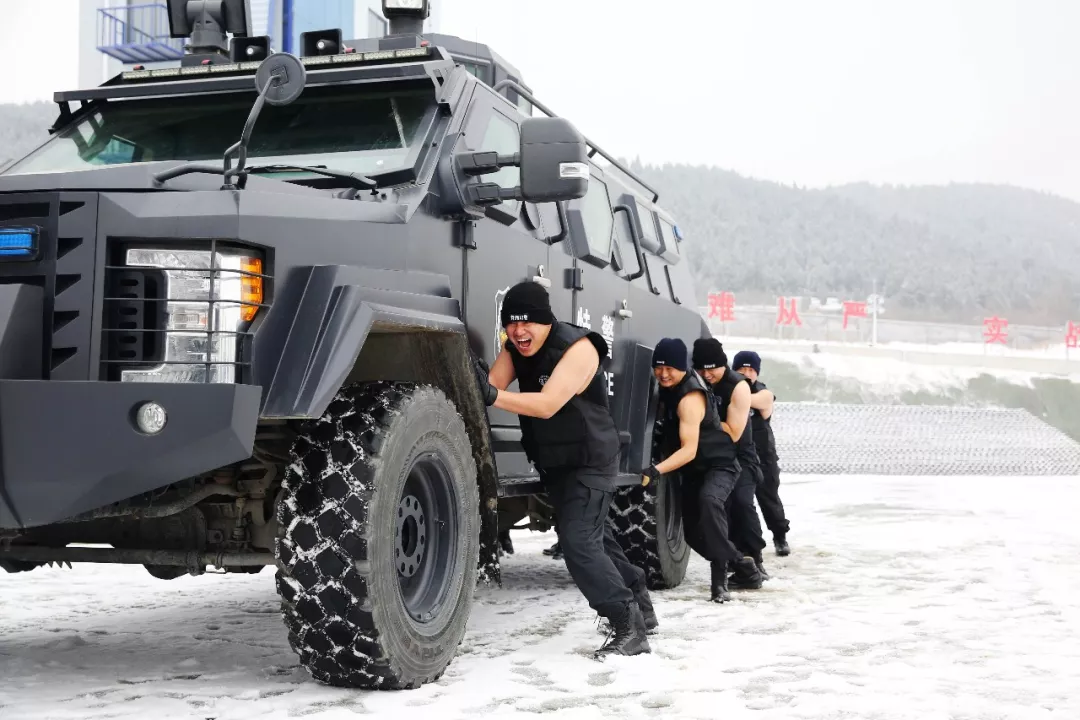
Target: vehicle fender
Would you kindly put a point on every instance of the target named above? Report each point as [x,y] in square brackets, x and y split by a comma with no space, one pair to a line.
[303,355]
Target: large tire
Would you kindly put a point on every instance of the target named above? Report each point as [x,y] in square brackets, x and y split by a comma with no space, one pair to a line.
[648,524]
[379,538]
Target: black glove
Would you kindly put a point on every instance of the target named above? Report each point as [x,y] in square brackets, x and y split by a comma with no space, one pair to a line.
[650,472]
[488,391]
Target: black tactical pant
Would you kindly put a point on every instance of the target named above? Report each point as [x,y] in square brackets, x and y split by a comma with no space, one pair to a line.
[743,514]
[592,555]
[705,517]
[768,496]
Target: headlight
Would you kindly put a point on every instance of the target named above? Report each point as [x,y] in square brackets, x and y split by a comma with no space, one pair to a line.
[210,300]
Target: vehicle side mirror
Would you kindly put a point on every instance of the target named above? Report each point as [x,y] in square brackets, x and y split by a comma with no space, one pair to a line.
[552,157]
[554,165]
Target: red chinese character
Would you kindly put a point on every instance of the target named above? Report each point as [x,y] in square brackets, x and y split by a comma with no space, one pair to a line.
[722,305]
[1072,336]
[853,309]
[995,330]
[789,315]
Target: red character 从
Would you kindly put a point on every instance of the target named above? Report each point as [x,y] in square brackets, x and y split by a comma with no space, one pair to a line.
[788,315]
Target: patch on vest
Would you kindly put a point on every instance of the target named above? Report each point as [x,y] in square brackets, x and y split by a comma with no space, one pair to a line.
[543,380]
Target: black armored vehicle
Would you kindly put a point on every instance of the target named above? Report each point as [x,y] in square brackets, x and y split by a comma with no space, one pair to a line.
[240,303]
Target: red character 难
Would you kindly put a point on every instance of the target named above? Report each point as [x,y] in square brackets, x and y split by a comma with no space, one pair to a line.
[722,305]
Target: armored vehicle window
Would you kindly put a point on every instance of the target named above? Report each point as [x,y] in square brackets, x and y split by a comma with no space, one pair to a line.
[361,130]
[502,136]
[649,239]
[671,243]
[596,214]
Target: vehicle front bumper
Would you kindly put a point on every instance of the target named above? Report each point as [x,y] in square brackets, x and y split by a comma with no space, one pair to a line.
[70,447]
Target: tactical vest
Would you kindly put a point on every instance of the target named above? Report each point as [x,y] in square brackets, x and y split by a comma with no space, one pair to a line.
[582,433]
[747,449]
[764,440]
[715,447]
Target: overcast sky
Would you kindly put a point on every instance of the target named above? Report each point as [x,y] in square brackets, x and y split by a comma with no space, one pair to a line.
[814,92]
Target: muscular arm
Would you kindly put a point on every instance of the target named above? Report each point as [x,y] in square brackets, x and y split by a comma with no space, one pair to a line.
[502,372]
[738,413]
[691,413]
[571,375]
[762,401]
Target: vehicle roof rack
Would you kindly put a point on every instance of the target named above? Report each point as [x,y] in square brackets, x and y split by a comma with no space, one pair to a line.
[593,147]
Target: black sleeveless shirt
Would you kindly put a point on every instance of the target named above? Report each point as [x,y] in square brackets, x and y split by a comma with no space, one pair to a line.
[582,434]
[748,454]
[715,447]
[764,440]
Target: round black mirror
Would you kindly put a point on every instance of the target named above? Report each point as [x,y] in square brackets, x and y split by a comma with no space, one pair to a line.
[286,75]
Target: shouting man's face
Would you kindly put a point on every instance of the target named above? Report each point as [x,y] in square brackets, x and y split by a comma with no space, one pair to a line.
[527,337]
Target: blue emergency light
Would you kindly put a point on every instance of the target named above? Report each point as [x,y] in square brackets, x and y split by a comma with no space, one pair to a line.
[18,243]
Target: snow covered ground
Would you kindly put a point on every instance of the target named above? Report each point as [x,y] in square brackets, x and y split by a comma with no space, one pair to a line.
[921,598]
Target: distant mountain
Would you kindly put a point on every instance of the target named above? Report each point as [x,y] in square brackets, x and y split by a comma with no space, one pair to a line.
[947,253]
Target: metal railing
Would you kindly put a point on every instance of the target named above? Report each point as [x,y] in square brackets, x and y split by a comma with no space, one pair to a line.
[137,34]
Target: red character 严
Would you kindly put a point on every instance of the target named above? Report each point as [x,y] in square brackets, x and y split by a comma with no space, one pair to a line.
[853,309]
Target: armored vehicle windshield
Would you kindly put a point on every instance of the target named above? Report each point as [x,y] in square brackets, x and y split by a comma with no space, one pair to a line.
[354,128]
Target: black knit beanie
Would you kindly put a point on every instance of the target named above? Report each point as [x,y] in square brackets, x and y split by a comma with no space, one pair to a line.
[670,352]
[527,302]
[709,354]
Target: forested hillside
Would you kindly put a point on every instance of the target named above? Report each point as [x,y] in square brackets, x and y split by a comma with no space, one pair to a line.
[950,253]
[954,252]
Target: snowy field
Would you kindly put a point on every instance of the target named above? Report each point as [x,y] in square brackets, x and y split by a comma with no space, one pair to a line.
[920,598]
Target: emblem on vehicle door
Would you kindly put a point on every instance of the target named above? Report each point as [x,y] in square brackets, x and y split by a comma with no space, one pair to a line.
[500,332]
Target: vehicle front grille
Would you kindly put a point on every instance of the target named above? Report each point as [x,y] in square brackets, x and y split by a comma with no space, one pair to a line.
[64,269]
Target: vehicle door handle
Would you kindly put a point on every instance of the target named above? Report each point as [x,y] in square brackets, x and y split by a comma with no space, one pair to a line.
[623,312]
[539,278]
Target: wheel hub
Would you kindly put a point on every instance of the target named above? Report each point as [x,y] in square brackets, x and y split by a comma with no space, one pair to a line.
[411,537]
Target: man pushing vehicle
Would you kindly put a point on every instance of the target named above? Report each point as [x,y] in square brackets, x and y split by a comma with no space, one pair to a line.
[570,436]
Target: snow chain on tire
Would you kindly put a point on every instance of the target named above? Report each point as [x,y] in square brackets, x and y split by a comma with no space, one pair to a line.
[638,520]
[340,537]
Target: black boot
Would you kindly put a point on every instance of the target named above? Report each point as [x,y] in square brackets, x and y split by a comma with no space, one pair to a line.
[554,551]
[746,575]
[761,566]
[644,602]
[720,592]
[648,614]
[780,541]
[627,633]
[505,543]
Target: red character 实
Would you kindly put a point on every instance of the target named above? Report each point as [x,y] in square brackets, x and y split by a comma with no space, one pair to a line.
[722,306]
[789,315]
[853,309]
[1072,336]
[995,330]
